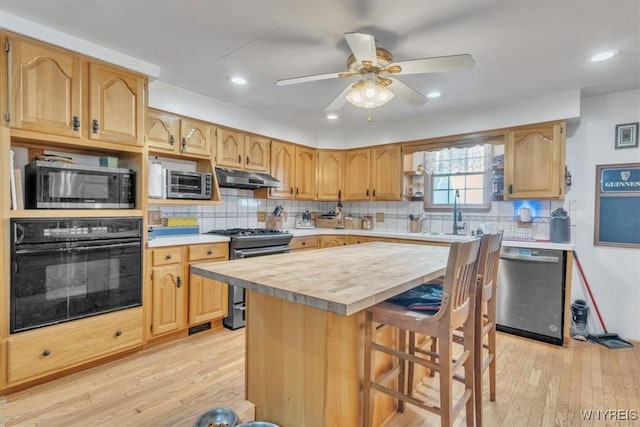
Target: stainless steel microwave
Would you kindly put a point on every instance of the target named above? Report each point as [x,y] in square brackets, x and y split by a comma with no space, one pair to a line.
[70,186]
[188,185]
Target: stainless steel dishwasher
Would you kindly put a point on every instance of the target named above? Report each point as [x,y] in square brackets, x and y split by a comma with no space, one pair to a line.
[530,295]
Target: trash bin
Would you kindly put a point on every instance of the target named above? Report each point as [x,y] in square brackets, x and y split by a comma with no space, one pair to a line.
[579,320]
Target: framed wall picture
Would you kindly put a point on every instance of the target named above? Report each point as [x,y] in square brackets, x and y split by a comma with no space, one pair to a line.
[627,135]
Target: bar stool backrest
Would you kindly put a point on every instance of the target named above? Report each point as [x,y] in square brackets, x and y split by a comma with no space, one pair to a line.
[488,263]
[460,281]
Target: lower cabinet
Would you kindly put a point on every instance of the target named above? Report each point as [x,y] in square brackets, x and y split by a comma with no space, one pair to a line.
[43,351]
[180,299]
[302,243]
[330,241]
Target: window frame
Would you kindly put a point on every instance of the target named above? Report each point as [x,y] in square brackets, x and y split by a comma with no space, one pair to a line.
[429,206]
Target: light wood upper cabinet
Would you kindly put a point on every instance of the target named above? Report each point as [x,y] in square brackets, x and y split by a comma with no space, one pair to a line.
[386,172]
[374,173]
[163,131]
[534,162]
[256,152]
[117,105]
[230,149]
[239,151]
[196,137]
[357,174]
[283,169]
[305,181]
[330,175]
[45,88]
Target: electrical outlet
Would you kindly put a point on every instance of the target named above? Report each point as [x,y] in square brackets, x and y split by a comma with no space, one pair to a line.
[380,217]
[262,217]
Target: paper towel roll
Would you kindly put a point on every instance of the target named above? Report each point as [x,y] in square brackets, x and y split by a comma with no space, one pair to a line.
[155,180]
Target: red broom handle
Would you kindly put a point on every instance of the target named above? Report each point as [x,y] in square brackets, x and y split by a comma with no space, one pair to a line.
[584,279]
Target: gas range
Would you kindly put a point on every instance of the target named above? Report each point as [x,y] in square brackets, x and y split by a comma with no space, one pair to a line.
[249,243]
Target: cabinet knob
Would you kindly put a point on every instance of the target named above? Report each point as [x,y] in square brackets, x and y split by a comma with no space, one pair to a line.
[172,140]
[76,123]
[297,191]
[46,352]
[291,190]
[167,257]
[510,189]
[179,281]
[239,159]
[374,193]
[247,162]
[339,194]
[367,192]
[95,126]
[118,332]
[304,243]
[183,145]
[209,252]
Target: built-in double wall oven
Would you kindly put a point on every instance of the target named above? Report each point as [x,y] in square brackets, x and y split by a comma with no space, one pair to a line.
[68,268]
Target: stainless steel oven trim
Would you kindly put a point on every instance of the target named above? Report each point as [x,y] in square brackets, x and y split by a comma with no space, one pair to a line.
[269,250]
[83,205]
[52,165]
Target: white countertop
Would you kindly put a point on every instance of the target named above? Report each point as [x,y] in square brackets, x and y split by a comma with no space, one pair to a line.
[185,239]
[427,237]
[192,239]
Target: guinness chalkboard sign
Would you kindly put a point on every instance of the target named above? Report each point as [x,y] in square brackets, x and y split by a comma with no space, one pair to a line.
[617,221]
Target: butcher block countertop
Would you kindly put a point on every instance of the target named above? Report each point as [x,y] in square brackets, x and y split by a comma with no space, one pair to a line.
[342,280]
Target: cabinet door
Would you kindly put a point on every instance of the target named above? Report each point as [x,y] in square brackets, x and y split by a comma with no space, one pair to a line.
[357,173]
[167,301]
[305,181]
[45,89]
[207,299]
[331,241]
[195,137]
[256,152]
[230,149]
[116,105]
[162,131]
[386,173]
[534,163]
[330,175]
[282,169]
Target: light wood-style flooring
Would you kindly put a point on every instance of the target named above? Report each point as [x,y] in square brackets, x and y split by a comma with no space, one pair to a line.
[170,385]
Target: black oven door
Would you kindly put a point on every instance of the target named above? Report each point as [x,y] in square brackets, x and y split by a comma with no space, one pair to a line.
[53,283]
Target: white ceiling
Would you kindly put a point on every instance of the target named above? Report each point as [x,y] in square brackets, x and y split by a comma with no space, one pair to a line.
[522,48]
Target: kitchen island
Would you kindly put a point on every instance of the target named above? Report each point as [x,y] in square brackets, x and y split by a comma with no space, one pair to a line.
[305,335]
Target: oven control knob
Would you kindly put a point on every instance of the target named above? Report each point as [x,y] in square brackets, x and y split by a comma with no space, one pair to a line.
[46,352]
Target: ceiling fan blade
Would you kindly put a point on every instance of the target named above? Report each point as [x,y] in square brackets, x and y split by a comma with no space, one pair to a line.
[363,47]
[407,93]
[311,78]
[436,64]
[339,100]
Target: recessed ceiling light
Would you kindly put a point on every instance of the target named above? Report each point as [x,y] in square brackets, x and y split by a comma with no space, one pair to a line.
[602,56]
[432,95]
[332,116]
[238,80]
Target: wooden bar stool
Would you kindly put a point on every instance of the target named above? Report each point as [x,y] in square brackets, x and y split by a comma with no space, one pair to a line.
[456,309]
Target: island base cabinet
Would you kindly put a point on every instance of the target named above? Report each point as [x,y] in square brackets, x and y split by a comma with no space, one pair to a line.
[33,354]
[313,377]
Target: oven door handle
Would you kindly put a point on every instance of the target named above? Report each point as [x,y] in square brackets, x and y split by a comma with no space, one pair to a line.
[75,248]
[239,253]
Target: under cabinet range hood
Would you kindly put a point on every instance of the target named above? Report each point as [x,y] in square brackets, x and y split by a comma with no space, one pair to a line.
[232,178]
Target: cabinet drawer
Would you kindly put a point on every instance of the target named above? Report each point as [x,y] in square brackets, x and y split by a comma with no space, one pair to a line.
[46,350]
[356,240]
[307,242]
[166,256]
[424,242]
[208,251]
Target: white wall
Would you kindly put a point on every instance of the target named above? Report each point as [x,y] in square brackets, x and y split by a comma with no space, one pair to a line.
[613,273]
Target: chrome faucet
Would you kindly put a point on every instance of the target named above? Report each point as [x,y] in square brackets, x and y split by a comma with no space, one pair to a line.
[457,214]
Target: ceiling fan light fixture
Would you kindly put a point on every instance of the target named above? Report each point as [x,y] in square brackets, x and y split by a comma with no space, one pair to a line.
[603,56]
[369,94]
[434,94]
[332,116]
[237,80]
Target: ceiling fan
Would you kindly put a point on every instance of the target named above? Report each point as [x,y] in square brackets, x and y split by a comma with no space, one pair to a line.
[376,71]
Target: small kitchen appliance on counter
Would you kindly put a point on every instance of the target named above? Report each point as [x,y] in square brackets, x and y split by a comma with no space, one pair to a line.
[560,230]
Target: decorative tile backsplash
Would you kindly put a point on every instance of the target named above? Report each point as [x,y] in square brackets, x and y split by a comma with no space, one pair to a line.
[240,209]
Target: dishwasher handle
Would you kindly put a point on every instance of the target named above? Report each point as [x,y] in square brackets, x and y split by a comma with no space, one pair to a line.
[542,258]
